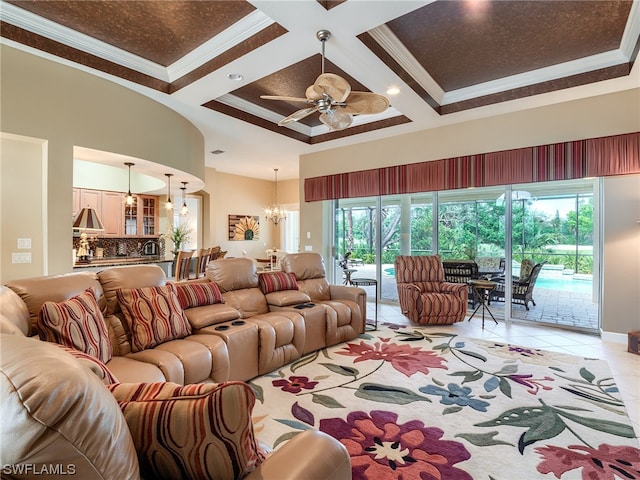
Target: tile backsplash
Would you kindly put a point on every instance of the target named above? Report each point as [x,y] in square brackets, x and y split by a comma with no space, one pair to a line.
[120,247]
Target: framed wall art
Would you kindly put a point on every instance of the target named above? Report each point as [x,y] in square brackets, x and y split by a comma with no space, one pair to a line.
[244,227]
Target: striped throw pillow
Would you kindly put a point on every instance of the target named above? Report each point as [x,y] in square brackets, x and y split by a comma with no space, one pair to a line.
[154,315]
[198,294]
[277,281]
[76,323]
[191,431]
[95,365]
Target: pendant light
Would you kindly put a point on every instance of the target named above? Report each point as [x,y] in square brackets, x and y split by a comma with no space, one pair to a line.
[129,198]
[169,204]
[275,213]
[184,211]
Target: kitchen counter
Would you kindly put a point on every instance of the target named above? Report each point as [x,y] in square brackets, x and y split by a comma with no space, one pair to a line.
[102,263]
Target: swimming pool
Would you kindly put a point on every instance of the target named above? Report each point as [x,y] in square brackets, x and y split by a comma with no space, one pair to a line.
[565,284]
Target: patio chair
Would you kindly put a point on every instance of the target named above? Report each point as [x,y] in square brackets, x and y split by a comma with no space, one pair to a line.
[424,295]
[461,271]
[521,286]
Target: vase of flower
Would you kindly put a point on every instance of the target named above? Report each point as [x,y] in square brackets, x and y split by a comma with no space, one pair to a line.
[179,235]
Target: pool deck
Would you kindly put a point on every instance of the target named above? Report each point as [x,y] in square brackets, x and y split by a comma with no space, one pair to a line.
[561,308]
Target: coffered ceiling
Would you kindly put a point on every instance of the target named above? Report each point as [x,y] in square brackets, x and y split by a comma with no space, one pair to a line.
[452,61]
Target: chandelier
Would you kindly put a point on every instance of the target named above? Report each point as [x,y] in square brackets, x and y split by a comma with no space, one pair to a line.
[275,213]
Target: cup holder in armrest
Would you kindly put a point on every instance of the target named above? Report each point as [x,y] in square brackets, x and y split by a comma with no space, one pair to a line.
[221,328]
[236,323]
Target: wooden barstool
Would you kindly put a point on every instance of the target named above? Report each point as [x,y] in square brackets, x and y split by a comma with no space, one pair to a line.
[204,255]
[183,265]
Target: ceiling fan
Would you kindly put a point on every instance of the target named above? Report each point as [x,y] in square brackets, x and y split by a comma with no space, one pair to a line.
[331,95]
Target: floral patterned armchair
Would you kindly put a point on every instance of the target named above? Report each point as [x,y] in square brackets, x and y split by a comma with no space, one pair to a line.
[425,297]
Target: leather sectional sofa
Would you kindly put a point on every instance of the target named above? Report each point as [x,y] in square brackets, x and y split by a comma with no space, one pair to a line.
[240,324]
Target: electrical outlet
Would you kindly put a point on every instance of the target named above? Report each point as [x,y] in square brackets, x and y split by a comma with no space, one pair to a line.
[308,248]
[20,257]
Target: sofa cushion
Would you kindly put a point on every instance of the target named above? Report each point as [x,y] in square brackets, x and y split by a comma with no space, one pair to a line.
[277,281]
[233,273]
[56,412]
[287,297]
[93,364]
[77,323]
[192,431]
[154,315]
[56,288]
[198,294]
[200,317]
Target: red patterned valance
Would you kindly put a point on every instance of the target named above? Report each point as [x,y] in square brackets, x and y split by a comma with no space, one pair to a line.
[597,157]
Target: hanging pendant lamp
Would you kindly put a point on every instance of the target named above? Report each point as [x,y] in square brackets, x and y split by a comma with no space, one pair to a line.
[129,198]
[169,204]
[184,211]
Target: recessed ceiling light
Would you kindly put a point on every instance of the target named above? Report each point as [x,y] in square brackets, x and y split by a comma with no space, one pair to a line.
[393,91]
[235,76]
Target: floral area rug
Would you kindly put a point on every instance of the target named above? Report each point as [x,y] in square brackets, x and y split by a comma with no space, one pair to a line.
[414,404]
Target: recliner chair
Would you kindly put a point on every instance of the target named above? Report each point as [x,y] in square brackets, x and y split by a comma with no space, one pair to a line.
[349,303]
[425,297]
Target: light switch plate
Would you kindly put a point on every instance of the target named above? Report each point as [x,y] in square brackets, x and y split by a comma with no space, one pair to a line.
[24,243]
[308,248]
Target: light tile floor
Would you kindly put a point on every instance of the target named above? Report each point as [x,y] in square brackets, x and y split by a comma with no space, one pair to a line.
[625,366]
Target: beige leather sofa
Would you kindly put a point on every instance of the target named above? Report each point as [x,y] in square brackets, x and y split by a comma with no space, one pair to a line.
[61,421]
[236,340]
[347,305]
[239,339]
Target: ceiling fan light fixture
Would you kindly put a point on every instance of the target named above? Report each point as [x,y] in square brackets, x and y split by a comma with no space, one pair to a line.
[335,119]
[329,94]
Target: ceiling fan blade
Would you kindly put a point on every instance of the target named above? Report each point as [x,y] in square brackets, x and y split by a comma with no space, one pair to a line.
[298,115]
[286,99]
[362,103]
[333,85]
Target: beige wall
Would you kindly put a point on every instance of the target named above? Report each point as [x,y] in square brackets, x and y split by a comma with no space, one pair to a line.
[22,205]
[65,107]
[237,195]
[588,118]
[621,255]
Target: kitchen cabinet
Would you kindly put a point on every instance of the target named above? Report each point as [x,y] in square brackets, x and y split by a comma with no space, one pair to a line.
[91,198]
[141,219]
[76,202]
[112,214]
[118,219]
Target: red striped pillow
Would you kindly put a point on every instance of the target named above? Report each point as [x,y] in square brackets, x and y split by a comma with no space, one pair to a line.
[76,323]
[95,365]
[277,281]
[198,294]
[188,431]
[154,315]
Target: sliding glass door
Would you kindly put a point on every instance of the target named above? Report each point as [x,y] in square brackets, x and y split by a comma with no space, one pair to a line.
[551,223]
[554,225]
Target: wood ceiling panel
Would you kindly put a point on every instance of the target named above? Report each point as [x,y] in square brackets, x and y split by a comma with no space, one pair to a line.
[460,47]
[160,31]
